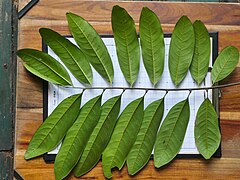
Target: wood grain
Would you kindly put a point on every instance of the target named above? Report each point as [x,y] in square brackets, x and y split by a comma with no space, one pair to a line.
[222,18]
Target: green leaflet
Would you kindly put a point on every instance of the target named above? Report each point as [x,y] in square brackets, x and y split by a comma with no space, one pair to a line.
[70,55]
[181,49]
[143,146]
[92,45]
[123,137]
[225,63]
[54,128]
[206,132]
[77,138]
[152,43]
[171,134]
[127,45]
[99,137]
[202,50]
[44,66]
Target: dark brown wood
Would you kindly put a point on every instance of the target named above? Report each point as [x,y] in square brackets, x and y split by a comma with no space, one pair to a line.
[223,18]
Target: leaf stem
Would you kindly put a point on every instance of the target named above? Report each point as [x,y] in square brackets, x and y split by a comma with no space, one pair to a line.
[190,91]
[165,94]
[161,89]
[145,93]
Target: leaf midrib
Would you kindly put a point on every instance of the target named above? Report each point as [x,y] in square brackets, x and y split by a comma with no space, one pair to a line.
[179,50]
[153,57]
[180,112]
[138,150]
[128,56]
[206,129]
[124,131]
[91,147]
[60,43]
[90,43]
[226,61]
[48,67]
[73,140]
[54,126]
[198,37]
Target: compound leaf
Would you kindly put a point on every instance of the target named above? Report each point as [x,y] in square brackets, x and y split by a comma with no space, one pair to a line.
[127,44]
[152,43]
[171,134]
[181,49]
[77,138]
[143,146]
[202,50]
[92,45]
[70,55]
[99,137]
[123,137]
[206,132]
[44,66]
[225,63]
[54,128]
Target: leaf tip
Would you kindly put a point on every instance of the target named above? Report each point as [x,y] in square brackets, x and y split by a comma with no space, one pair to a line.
[59,173]
[27,156]
[160,162]
[71,14]
[43,31]
[157,163]
[117,7]
[77,172]
[131,170]
[145,8]
[107,173]
[197,21]
[184,17]
[131,173]
[207,156]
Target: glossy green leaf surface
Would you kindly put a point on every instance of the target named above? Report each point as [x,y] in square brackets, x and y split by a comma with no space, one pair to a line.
[206,132]
[54,128]
[99,137]
[77,138]
[225,63]
[44,66]
[171,134]
[152,43]
[70,55]
[92,45]
[127,45]
[181,49]
[202,50]
[123,137]
[143,146]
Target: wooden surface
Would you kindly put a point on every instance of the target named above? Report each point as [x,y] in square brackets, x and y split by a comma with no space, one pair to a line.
[7,86]
[224,18]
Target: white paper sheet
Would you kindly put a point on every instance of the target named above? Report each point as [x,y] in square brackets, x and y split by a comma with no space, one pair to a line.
[57,93]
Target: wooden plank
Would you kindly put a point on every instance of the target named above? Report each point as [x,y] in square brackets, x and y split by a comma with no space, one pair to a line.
[29,88]
[230,138]
[222,18]
[168,13]
[226,168]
